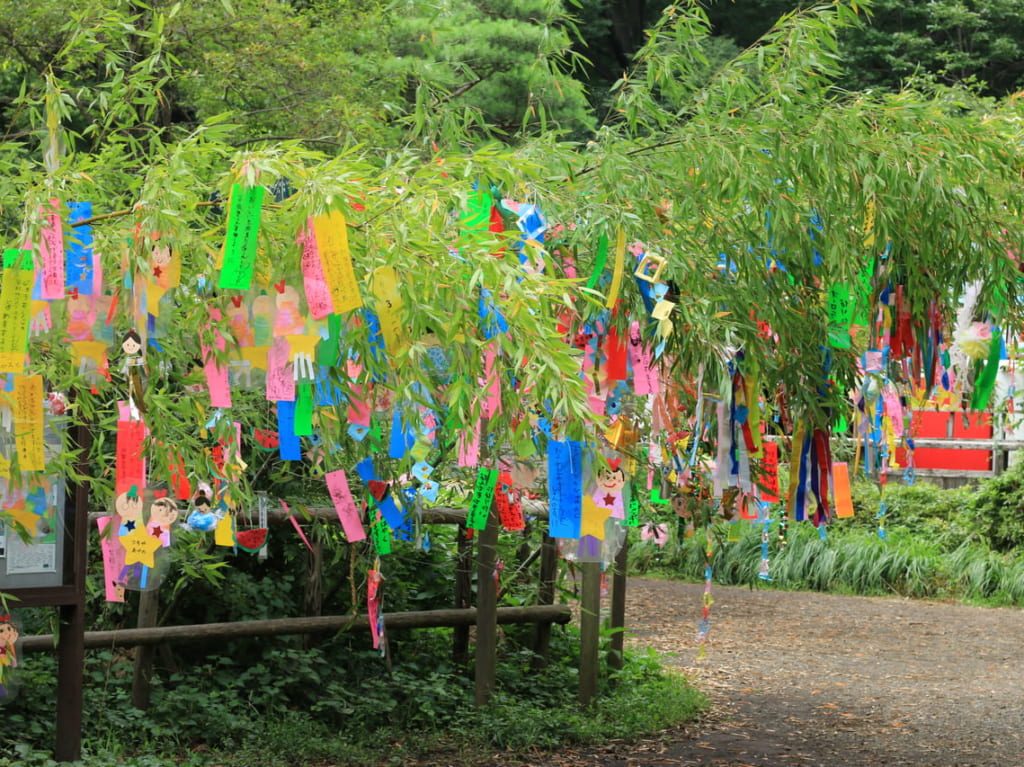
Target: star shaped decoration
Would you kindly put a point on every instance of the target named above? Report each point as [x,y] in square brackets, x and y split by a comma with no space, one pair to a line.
[129,525]
[139,548]
[156,531]
[609,500]
[157,271]
[593,519]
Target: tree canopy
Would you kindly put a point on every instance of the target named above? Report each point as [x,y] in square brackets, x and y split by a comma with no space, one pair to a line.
[786,212]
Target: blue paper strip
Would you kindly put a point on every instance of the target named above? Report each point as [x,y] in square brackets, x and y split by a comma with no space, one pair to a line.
[291,447]
[78,253]
[565,488]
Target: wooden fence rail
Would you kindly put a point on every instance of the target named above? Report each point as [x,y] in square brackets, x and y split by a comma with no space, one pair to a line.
[322,624]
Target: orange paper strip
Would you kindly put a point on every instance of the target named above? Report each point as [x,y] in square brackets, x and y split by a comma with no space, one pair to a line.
[841,490]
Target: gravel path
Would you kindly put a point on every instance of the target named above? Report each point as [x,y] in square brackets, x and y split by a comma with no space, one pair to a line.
[816,679]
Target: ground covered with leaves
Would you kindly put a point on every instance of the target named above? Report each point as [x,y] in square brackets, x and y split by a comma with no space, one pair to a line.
[799,678]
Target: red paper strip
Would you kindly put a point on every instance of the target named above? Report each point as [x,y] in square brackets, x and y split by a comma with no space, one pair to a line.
[769,479]
[129,466]
[510,507]
[615,352]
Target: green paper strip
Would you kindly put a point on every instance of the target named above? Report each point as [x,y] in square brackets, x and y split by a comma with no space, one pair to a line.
[599,261]
[304,410]
[476,218]
[380,534]
[327,351]
[240,241]
[633,509]
[483,498]
[840,315]
[987,379]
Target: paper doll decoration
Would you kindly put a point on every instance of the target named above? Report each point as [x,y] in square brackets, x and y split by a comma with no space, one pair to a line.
[8,656]
[202,516]
[132,362]
[144,536]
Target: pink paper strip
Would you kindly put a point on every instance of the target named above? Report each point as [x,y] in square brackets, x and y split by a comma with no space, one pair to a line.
[51,251]
[348,514]
[645,376]
[469,446]
[295,524]
[280,379]
[216,373]
[491,383]
[318,294]
[113,558]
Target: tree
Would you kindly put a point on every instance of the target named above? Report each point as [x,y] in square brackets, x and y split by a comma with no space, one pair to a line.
[953,41]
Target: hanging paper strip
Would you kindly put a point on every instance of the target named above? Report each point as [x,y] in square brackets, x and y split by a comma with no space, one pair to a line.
[987,378]
[475,221]
[645,375]
[129,465]
[15,309]
[840,316]
[318,294]
[482,499]
[633,508]
[492,321]
[402,437]
[380,534]
[620,263]
[290,447]
[385,503]
[113,560]
[79,267]
[216,372]
[51,251]
[507,500]
[295,524]
[769,479]
[345,506]
[331,232]
[599,261]
[28,422]
[565,488]
[841,490]
[239,255]
[616,355]
[388,304]
[304,410]
[373,603]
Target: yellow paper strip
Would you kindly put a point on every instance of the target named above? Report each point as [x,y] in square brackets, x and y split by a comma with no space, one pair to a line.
[28,422]
[620,260]
[389,308]
[336,260]
[15,309]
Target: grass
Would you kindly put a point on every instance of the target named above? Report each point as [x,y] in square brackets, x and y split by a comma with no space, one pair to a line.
[849,561]
[236,713]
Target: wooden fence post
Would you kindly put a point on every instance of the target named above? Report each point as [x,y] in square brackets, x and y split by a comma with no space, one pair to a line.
[590,629]
[486,610]
[148,605]
[546,596]
[71,644]
[463,595]
[617,619]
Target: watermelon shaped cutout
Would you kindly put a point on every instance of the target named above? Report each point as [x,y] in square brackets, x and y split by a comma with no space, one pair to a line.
[251,540]
[266,440]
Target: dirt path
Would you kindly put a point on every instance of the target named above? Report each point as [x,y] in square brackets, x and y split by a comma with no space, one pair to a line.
[808,679]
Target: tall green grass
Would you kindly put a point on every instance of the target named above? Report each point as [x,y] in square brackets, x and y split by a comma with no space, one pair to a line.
[852,560]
